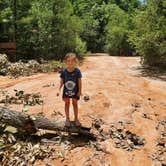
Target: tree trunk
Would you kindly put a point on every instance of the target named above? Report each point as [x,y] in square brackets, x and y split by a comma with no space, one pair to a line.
[31,124]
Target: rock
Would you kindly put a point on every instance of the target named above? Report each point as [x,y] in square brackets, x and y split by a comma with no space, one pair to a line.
[86,98]
[97,123]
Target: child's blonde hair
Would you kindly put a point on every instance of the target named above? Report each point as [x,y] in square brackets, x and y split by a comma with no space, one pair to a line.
[71,55]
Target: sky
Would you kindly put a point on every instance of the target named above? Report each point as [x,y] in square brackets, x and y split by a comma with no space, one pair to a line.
[141,0]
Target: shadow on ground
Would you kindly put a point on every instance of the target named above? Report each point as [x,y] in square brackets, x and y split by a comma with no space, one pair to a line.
[75,140]
[152,72]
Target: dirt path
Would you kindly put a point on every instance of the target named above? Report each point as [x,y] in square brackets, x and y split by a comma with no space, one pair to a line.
[114,85]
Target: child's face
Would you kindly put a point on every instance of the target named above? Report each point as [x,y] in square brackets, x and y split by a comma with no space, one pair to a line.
[70,62]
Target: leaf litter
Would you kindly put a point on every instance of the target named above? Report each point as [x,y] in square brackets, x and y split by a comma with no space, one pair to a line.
[17,149]
[159,154]
[20,68]
[20,97]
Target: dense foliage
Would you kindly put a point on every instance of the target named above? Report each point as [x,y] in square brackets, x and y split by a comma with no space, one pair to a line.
[149,33]
[50,29]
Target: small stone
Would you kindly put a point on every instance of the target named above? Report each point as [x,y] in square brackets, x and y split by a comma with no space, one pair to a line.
[86,98]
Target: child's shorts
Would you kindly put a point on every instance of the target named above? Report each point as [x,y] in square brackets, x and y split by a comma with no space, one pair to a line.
[67,99]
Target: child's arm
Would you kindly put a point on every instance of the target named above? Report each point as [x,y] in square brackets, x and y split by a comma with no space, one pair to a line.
[61,84]
[79,87]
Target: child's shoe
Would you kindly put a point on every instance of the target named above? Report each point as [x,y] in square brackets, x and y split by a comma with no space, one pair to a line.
[67,123]
[77,123]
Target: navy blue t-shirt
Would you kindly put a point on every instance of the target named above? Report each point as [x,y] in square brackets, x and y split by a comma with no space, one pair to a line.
[70,80]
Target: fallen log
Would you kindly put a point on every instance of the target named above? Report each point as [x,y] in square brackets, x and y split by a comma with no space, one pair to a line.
[31,124]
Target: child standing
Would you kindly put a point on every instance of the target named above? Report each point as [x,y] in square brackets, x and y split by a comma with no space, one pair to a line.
[72,87]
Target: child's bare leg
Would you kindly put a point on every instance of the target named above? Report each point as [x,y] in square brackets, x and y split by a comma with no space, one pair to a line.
[75,107]
[67,105]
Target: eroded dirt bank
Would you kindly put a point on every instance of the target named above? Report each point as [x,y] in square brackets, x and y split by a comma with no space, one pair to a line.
[118,94]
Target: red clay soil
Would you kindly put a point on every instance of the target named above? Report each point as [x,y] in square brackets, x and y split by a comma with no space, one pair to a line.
[114,85]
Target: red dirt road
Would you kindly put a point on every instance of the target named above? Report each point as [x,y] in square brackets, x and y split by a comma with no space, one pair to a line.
[113,84]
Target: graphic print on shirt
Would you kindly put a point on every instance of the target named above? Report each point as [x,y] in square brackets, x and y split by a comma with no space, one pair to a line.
[70,87]
[70,80]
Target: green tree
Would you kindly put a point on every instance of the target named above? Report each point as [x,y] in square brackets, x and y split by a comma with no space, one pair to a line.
[127,5]
[49,29]
[149,33]
[98,18]
[85,11]
[117,32]
[23,29]
[6,21]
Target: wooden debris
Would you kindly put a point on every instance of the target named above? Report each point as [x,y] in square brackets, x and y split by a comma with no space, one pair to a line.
[30,124]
